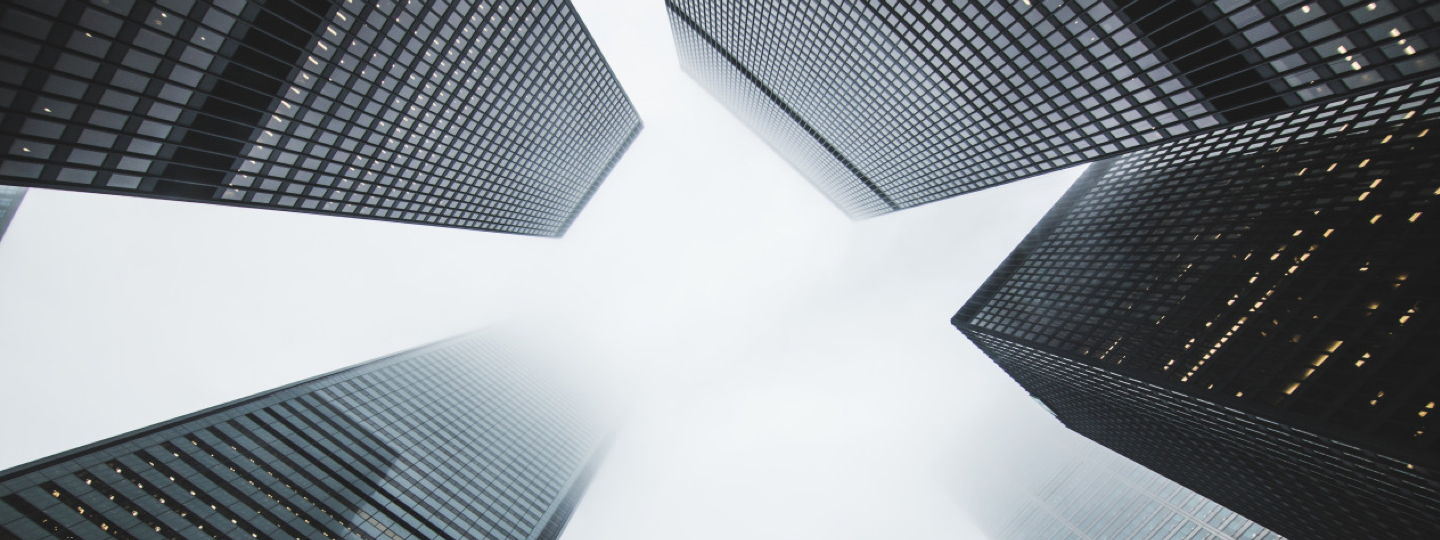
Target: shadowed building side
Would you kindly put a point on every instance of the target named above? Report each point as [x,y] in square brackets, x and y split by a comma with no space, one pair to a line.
[1250,313]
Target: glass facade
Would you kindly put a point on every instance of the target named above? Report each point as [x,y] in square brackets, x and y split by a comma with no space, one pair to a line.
[1097,495]
[1248,312]
[10,197]
[454,440]
[889,104]
[500,116]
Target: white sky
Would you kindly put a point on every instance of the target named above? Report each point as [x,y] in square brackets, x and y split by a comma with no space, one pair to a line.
[796,371]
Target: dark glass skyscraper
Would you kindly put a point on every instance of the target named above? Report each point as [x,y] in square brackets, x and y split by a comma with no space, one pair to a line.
[1251,313]
[10,197]
[500,116]
[893,104]
[454,440]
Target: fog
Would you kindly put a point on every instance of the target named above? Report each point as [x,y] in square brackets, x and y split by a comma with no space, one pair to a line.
[789,373]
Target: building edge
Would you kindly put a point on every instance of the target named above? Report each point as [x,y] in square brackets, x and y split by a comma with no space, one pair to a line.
[37,464]
[604,175]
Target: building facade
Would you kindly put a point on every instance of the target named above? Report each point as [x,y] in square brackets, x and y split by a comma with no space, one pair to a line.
[499,116]
[1249,312]
[885,105]
[453,440]
[1089,493]
[10,197]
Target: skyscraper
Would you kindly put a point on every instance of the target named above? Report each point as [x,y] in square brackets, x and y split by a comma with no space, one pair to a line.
[454,440]
[500,116]
[1045,492]
[1249,312]
[10,198]
[889,105]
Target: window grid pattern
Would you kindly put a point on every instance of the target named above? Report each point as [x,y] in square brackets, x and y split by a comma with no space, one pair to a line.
[1285,477]
[500,116]
[1097,495]
[452,441]
[1281,268]
[1282,262]
[933,99]
[789,135]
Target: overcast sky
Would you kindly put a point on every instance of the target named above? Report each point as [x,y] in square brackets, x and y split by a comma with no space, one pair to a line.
[797,373]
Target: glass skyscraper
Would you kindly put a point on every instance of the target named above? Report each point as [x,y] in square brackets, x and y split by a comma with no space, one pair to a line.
[1249,312]
[1044,492]
[888,105]
[500,116]
[10,197]
[456,440]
